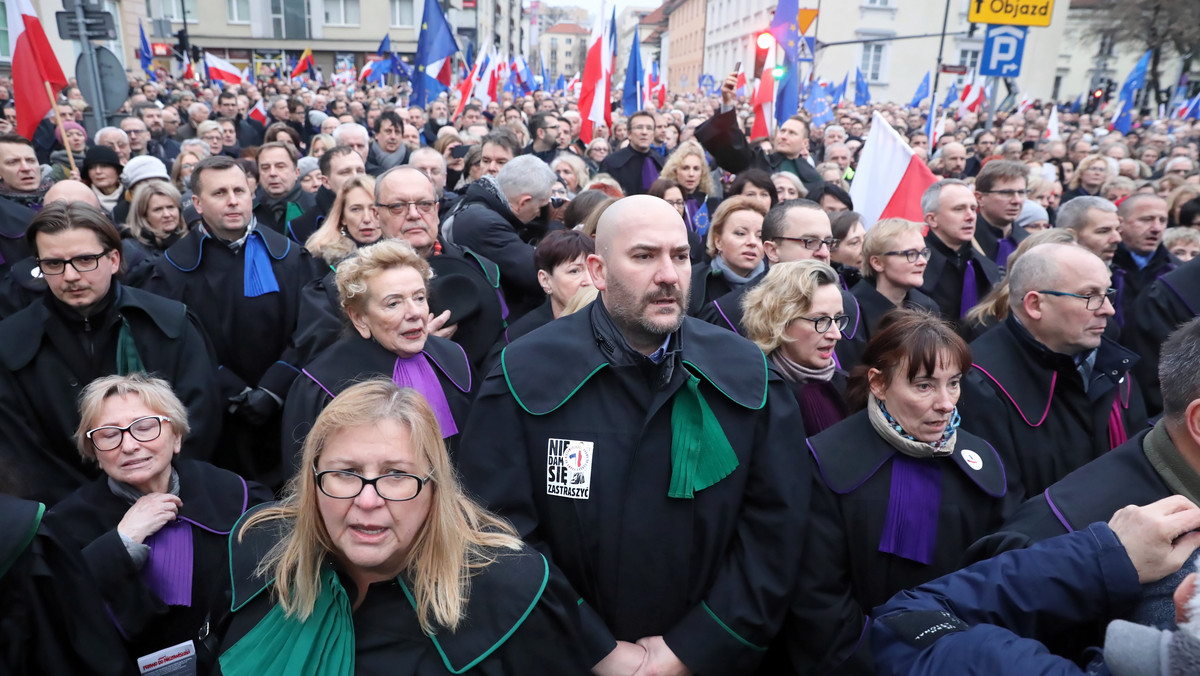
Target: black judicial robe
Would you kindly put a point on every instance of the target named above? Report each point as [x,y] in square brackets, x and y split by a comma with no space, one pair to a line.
[1031,405]
[52,619]
[1130,281]
[873,306]
[49,356]
[946,273]
[724,140]
[727,313]
[298,201]
[519,618]
[709,284]
[715,567]
[625,166]
[300,229]
[14,219]
[1172,300]
[844,575]
[213,499]
[355,359]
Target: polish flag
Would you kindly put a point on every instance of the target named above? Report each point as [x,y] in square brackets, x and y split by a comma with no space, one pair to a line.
[258,113]
[220,69]
[972,97]
[188,72]
[33,65]
[890,178]
[740,87]
[1025,104]
[764,99]
[468,84]
[596,94]
[1052,124]
[573,85]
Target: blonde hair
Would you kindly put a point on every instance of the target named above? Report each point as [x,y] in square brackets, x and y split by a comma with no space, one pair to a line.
[783,295]
[449,547]
[1176,236]
[354,272]
[155,393]
[582,175]
[1179,197]
[881,237]
[137,220]
[323,138]
[329,242]
[683,151]
[995,304]
[582,298]
[728,208]
[1084,165]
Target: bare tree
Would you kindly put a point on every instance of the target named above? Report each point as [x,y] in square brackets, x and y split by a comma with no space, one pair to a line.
[1154,25]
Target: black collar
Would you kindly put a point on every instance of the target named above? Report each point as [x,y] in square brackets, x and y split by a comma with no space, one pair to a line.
[186,254]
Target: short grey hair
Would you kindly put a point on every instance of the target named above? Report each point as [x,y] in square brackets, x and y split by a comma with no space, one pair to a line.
[196,147]
[426,151]
[835,127]
[526,175]
[1073,214]
[1036,269]
[109,130]
[931,201]
[347,127]
[1177,372]
[195,107]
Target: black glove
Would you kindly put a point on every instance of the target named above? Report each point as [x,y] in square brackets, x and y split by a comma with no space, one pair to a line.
[255,405]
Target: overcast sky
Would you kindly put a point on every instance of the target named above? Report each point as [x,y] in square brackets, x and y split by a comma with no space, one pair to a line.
[593,6]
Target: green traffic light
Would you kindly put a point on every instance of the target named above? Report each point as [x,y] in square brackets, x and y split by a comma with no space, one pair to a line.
[777,72]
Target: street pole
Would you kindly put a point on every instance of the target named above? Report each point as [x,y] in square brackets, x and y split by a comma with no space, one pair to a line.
[991,103]
[99,110]
[937,74]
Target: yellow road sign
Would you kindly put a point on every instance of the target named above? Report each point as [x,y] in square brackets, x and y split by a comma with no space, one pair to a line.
[1011,12]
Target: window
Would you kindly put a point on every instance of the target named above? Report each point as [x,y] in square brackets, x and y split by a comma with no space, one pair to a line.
[569,41]
[238,11]
[1106,45]
[879,3]
[5,49]
[171,10]
[567,55]
[402,13]
[341,12]
[872,61]
[970,59]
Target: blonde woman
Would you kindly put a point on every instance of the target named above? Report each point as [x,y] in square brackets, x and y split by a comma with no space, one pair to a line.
[735,251]
[1090,176]
[376,562]
[573,172]
[352,222]
[155,221]
[688,167]
[894,258]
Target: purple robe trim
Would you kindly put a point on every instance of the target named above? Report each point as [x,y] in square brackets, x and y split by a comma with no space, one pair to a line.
[649,172]
[970,290]
[1004,249]
[168,571]
[910,528]
[416,373]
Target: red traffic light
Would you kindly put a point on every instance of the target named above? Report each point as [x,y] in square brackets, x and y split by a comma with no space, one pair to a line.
[765,40]
[1098,93]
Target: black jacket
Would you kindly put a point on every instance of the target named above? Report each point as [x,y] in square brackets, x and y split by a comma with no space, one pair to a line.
[520,619]
[1168,303]
[625,165]
[873,306]
[213,500]
[844,574]
[724,140]
[51,354]
[946,273]
[278,214]
[354,359]
[1031,405]
[302,228]
[14,219]
[989,236]
[1130,281]
[484,223]
[709,284]
[718,570]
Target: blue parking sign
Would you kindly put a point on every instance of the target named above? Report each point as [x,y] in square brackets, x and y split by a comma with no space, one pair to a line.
[1003,47]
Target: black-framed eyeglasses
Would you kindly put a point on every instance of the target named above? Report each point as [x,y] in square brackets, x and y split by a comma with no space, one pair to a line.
[911,255]
[823,323]
[401,208]
[110,437]
[1009,194]
[678,204]
[393,486]
[813,243]
[57,266]
[1093,301]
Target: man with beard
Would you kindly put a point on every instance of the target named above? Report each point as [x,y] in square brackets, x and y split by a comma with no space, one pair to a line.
[160,144]
[1095,223]
[669,469]
[338,165]
[280,199]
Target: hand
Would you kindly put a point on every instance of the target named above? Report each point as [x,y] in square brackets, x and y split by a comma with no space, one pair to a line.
[436,326]
[1160,537]
[624,660]
[149,514]
[729,90]
[255,406]
[660,660]
[74,175]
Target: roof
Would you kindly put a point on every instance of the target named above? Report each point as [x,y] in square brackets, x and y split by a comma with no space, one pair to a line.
[653,17]
[568,29]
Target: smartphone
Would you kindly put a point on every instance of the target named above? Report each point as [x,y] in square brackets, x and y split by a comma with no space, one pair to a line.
[738,67]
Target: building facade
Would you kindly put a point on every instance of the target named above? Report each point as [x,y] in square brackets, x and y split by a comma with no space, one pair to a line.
[686,28]
[565,48]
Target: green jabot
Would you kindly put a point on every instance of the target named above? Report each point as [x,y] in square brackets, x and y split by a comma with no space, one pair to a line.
[700,454]
[322,645]
[294,211]
[128,359]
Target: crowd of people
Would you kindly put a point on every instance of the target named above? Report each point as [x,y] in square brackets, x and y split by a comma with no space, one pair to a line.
[357,386]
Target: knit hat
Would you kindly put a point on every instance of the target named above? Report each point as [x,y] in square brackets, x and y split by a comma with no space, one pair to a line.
[142,168]
[1137,650]
[1032,212]
[316,118]
[97,155]
[308,165]
[68,125]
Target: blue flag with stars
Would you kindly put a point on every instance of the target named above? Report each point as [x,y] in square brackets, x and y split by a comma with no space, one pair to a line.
[818,106]
[785,26]
[921,93]
[435,48]
[144,53]
[951,95]
[862,92]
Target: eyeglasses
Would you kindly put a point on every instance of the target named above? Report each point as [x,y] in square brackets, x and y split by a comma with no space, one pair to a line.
[1094,301]
[110,437]
[824,323]
[813,243]
[678,204]
[400,208]
[393,486]
[911,254]
[57,266]
[1008,194]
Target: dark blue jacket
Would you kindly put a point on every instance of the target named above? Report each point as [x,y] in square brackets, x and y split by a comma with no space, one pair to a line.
[989,618]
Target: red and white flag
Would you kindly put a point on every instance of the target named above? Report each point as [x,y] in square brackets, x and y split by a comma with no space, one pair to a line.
[220,69]
[258,113]
[764,99]
[972,97]
[1025,104]
[1052,125]
[890,178]
[740,87]
[188,72]
[33,65]
[596,93]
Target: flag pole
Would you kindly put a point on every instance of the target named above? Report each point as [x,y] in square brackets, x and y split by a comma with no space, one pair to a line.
[61,130]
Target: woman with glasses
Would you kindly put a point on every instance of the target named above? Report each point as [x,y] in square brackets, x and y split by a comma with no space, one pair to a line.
[153,529]
[210,132]
[795,315]
[376,561]
[894,257]
[352,223]
[1089,178]
[899,492]
[670,192]
[735,249]
[384,292]
[597,150]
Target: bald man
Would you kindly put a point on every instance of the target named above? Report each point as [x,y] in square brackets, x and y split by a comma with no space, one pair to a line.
[677,568]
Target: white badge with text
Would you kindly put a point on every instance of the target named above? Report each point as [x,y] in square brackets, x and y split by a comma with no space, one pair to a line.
[178,660]
[569,468]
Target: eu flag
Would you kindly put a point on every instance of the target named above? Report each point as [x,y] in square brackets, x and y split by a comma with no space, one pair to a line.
[862,93]
[435,51]
[145,54]
[785,26]
[921,93]
[631,100]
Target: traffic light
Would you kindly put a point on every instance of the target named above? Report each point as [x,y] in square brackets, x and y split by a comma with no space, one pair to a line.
[182,46]
[778,72]
[762,44]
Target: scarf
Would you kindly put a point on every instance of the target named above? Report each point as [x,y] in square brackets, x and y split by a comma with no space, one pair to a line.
[31,199]
[128,359]
[1170,465]
[168,570]
[910,527]
[718,264]
[415,372]
[108,202]
[798,373]
[321,645]
[258,275]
